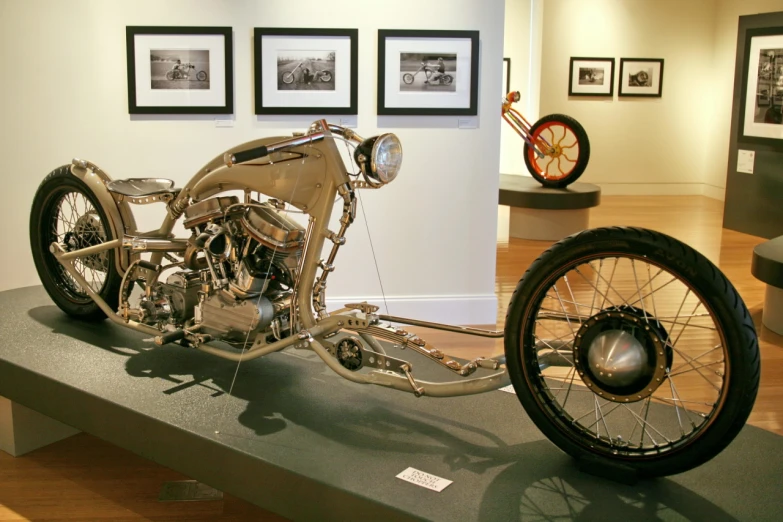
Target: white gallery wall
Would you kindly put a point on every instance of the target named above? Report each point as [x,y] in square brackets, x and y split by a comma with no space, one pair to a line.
[676,144]
[64,95]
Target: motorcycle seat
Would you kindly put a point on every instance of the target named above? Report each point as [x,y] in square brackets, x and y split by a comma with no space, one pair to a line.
[141,187]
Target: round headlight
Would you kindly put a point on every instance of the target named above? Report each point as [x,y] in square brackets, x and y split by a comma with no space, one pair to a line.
[386,157]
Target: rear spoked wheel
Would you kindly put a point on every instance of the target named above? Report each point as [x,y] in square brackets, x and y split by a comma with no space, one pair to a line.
[628,346]
[65,211]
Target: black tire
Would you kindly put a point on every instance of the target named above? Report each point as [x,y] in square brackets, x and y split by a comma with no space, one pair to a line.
[724,411]
[201,76]
[407,78]
[556,129]
[446,79]
[326,76]
[170,75]
[43,221]
[288,77]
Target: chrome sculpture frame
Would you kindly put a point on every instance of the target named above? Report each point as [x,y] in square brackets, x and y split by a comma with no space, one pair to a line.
[307,172]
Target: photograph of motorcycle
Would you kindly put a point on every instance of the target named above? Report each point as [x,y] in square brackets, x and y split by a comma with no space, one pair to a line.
[418,72]
[305,70]
[769,95]
[623,345]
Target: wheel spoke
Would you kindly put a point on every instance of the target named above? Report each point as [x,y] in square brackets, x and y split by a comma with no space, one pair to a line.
[639,291]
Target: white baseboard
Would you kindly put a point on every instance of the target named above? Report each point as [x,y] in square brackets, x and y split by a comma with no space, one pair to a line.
[651,189]
[449,309]
[711,191]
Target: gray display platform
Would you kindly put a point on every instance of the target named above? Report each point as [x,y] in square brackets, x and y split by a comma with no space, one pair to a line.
[298,440]
[544,213]
[524,191]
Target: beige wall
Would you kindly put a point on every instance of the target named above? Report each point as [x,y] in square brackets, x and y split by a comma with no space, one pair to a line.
[64,94]
[516,45]
[647,146]
[677,144]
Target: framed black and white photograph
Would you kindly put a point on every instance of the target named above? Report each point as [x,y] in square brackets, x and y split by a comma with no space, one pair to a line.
[428,72]
[761,107]
[591,77]
[506,76]
[642,77]
[180,70]
[306,71]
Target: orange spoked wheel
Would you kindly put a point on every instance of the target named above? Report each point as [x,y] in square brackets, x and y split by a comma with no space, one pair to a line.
[564,151]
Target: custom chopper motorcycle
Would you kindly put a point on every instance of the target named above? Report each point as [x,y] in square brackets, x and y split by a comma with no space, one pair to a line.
[626,347]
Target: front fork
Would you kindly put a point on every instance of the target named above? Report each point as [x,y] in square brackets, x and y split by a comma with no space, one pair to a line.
[522,127]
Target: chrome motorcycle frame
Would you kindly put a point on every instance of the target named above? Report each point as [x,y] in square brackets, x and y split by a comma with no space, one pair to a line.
[307,172]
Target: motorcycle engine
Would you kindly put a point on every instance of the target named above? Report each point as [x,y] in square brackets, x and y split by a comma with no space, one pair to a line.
[242,262]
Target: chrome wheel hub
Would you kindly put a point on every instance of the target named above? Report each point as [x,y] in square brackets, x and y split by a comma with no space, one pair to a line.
[616,358]
[622,354]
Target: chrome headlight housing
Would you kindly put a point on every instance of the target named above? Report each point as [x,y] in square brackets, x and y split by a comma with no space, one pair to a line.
[380,158]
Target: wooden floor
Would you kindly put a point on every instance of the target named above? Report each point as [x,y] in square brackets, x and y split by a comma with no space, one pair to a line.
[85,479]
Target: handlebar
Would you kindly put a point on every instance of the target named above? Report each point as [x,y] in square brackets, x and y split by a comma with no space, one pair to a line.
[246,155]
[314,135]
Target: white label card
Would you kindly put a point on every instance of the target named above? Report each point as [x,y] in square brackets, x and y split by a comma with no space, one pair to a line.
[508,389]
[745,161]
[425,480]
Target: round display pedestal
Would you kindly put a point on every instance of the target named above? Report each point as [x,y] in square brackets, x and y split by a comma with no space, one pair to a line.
[772,315]
[546,214]
[546,225]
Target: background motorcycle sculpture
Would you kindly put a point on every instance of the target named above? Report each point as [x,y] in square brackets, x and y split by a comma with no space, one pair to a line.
[182,72]
[625,346]
[556,146]
[323,76]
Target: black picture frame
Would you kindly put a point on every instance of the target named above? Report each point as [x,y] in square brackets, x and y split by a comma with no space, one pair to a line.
[653,69]
[153,100]
[466,86]
[507,75]
[756,82]
[580,84]
[276,100]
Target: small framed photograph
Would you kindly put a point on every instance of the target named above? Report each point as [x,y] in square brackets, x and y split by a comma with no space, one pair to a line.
[761,105]
[306,71]
[428,72]
[641,77]
[591,77]
[506,76]
[180,70]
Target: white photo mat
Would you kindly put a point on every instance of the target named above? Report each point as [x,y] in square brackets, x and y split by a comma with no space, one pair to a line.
[271,45]
[631,67]
[750,126]
[608,81]
[396,98]
[215,96]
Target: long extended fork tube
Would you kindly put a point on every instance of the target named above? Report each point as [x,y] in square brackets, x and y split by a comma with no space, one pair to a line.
[445,327]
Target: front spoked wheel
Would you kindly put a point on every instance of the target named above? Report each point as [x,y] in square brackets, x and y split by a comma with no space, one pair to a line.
[628,346]
[288,77]
[562,151]
[407,78]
